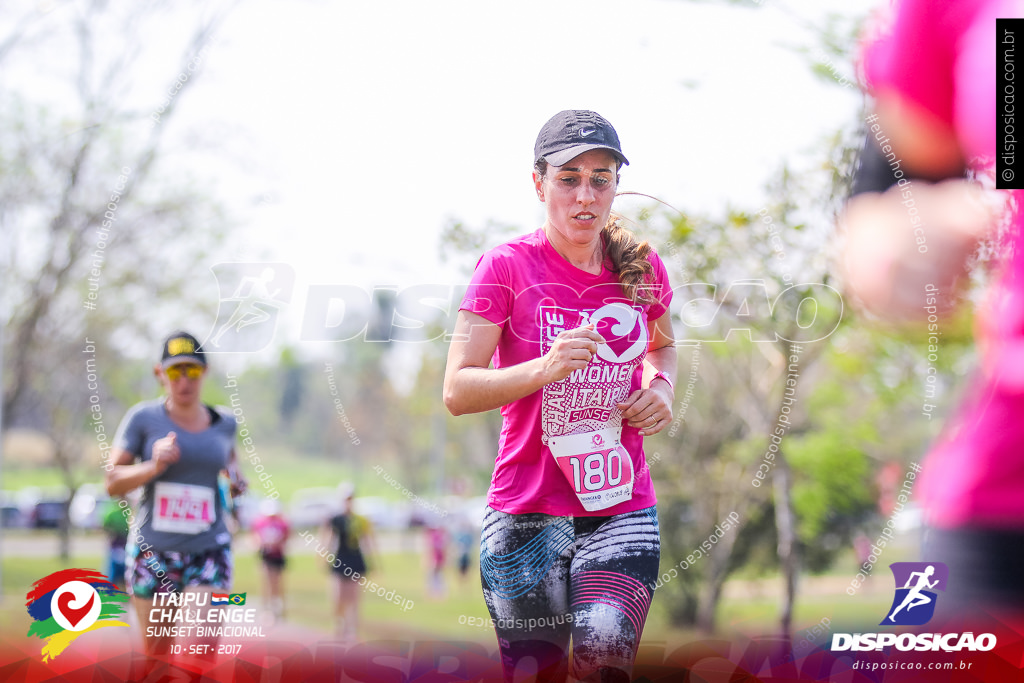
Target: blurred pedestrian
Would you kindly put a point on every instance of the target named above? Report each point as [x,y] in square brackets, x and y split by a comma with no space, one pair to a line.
[271,530]
[174,448]
[115,525]
[464,548]
[351,536]
[437,549]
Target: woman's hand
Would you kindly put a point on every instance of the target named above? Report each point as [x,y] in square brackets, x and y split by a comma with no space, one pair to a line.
[572,350]
[649,410]
[239,484]
[471,386]
[907,244]
[166,452]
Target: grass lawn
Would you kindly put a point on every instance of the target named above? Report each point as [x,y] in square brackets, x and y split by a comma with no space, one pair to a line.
[308,596]
[749,607]
[289,472]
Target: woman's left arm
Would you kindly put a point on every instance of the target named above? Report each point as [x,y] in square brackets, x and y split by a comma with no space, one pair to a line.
[368,544]
[650,408]
[239,485]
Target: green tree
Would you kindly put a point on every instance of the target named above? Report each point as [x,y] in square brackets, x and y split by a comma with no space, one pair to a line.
[85,222]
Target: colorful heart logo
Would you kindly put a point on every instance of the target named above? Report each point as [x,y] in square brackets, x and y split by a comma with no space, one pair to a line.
[72,614]
[76,606]
[69,603]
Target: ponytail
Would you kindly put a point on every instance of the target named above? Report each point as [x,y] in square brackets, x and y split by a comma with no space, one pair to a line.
[630,262]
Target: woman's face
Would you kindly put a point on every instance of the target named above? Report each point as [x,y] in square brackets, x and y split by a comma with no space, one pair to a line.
[579,195]
[182,382]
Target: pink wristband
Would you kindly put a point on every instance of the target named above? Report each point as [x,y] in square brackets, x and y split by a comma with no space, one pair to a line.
[663,376]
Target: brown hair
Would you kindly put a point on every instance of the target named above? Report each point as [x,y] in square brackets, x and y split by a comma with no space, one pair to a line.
[629,256]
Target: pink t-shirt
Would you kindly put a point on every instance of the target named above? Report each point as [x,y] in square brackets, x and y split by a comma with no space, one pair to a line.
[532,293]
[272,532]
[941,55]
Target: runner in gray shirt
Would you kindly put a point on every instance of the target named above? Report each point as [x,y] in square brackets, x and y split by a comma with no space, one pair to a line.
[175,448]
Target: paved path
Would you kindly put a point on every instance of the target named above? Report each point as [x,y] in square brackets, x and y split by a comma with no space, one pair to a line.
[45,543]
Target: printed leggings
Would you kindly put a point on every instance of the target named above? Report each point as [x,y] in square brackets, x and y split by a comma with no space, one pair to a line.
[547,579]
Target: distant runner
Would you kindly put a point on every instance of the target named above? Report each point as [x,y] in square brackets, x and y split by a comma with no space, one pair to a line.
[174,448]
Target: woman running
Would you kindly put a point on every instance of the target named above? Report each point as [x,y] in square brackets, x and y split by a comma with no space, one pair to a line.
[271,530]
[175,447]
[575,318]
[352,537]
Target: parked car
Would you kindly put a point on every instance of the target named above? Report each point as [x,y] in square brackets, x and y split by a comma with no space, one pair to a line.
[42,508]
[312,507]
[384,514]
[47,514]
[11,515]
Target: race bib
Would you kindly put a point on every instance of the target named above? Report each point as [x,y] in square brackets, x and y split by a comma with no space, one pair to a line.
[183,508]
[597,466]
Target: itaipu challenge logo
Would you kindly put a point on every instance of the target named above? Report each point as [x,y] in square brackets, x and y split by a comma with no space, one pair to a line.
[68,603]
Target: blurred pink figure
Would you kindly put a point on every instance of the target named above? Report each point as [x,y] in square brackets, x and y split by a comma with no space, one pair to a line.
[271,530]
[933,74]
[437,547]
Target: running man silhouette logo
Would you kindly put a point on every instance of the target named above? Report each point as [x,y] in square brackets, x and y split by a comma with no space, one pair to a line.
[251,296]
[916,583]
[68,603]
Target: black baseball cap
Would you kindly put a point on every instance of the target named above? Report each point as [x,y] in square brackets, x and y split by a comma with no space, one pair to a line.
[572,132]
[182,347]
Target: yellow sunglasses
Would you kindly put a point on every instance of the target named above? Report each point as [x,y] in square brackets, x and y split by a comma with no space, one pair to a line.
[175,372]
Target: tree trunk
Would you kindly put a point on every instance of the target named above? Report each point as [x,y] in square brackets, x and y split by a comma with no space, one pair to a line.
[65,462]
[64,533]
[785,524]
[719,569]
[712,594]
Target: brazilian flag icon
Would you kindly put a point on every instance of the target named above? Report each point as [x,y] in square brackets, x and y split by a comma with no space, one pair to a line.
[237,598]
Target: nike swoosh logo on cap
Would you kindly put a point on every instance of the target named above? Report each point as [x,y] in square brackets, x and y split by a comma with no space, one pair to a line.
[585,133]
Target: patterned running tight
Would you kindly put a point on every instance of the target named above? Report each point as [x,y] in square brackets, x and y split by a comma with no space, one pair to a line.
[547,579]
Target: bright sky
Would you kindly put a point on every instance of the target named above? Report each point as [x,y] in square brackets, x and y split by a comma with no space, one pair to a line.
[354,131]
[370,125]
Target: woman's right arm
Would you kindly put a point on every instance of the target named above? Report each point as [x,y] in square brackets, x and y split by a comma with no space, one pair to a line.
[471,386]
[125,476]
